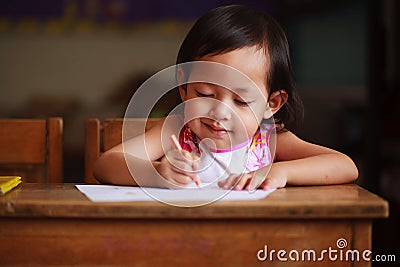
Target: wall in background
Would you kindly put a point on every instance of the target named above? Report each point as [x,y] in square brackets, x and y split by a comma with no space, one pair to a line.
[85,66]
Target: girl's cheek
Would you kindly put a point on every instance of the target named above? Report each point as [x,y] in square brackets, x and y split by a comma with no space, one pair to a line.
[195,108]
[199,108]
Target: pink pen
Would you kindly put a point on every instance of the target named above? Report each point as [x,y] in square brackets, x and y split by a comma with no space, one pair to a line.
[176,144]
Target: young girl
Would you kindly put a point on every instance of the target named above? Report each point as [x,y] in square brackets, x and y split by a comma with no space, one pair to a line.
[234,122]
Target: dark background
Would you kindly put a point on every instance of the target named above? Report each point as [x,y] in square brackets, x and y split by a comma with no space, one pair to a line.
[81,59]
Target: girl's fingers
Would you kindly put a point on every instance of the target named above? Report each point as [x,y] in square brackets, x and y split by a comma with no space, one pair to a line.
[181,179]
[192,176]
[178,169]
[185,169]
[182,167]
[230,182]
[184,172]
[270,183]
[225,184]
[244,180]
[175,155]
[187,155]
[191,159]
[177,158]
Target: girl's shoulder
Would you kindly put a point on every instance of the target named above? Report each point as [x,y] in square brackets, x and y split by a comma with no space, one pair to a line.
[261,138]
[265,131]
[285,139]
[259,152]
[171,123]
[166,126]
[286,135]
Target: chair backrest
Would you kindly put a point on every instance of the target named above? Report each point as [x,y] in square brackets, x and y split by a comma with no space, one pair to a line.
[100,137]
[32,149]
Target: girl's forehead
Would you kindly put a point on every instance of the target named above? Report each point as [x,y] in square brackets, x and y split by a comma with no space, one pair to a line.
[243,90]
[252,62]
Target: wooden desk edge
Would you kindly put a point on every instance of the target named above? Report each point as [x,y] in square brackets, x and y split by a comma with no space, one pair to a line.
[79,206]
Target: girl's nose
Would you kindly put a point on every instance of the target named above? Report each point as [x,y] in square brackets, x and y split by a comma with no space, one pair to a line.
[220,112]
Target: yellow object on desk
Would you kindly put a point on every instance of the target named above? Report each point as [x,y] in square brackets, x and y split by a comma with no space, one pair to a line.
[8,182]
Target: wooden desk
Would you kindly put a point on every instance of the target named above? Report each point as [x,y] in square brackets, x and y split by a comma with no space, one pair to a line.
[57,225]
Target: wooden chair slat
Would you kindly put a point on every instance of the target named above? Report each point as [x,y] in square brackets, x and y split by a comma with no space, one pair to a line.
[22,141]
[32,149]
[54,146]
[102,137]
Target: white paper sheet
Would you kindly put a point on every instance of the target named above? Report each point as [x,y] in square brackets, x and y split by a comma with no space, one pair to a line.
[109,193]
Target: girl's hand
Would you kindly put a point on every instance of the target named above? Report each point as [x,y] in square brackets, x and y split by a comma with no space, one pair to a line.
[274,178]
[178,167]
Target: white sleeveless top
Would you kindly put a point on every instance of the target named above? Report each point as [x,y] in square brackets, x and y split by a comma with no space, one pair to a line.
[216,165]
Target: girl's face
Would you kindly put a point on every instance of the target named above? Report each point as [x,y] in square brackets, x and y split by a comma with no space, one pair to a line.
[229,116]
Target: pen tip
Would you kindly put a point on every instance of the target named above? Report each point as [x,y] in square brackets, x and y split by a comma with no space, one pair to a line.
[197,182]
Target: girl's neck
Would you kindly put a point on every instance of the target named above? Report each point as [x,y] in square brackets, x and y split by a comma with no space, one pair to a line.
[230,149]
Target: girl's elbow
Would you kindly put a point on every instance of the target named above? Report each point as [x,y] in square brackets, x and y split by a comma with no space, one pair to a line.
[98,169]
[353,175]
[102,167]
[352,172]
[111,168]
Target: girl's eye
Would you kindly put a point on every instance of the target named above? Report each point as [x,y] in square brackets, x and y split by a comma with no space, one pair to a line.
[242,103]
[203,95]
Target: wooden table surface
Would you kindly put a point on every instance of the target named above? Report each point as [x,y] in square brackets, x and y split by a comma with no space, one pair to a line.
[64,200]
[57,225]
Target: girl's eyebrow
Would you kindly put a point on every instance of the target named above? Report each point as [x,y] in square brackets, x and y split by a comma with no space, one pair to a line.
[241,90]
[250,90]
[246,91]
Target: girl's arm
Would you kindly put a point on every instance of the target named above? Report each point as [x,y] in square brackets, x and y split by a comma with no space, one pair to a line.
[298,162]
[111,167]
[304,163]
[143,153]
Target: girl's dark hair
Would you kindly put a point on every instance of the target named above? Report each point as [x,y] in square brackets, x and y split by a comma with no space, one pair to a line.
[228,28]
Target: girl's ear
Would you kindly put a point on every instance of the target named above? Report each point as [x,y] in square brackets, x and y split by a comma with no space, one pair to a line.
[276,100]
[182,85]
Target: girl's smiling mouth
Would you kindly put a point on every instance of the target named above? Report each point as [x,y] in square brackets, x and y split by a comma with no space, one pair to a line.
[216,129]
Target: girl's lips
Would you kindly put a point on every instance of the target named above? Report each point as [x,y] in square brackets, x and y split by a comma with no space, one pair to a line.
[218,131]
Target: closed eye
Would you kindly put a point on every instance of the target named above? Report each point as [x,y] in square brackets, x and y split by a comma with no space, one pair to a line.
[243,103]
[203,95]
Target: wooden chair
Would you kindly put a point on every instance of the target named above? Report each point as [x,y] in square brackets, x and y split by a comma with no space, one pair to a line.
[32,149]
[101,137]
